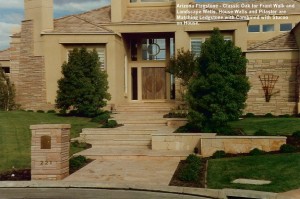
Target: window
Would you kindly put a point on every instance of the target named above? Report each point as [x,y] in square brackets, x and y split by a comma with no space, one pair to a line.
[227,38]
[6,69]
[196,46]
[268,28]
[286,26]
[154,49]
[253,28]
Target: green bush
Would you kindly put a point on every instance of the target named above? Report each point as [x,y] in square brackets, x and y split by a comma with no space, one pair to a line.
[296,134]
[285,116]
[287,148]
[193,159]
[268,115]
[30,111]
[77,162]
[219,154]
[261,132]
[110,124]
[256,151]
[51,111]
[40,111]
[102,118]
[250,115]
[189,174]
[227,130]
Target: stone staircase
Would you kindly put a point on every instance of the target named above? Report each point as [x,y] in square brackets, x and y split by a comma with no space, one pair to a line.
[140,121]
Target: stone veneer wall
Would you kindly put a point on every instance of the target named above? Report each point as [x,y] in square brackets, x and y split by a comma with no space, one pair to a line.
[284,100]
[31,85]
[15,60]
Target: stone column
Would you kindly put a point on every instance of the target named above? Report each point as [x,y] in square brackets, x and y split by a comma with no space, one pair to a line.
[50,146]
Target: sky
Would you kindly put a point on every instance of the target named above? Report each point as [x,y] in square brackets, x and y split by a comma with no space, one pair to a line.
[11,13]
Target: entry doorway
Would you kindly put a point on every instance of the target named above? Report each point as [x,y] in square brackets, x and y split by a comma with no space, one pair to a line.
[153,83]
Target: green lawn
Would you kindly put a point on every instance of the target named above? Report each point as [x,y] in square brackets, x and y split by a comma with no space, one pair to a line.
[282,170]
[15,134]
[275,126]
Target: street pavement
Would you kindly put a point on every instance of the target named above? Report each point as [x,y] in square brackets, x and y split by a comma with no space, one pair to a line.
[71,193]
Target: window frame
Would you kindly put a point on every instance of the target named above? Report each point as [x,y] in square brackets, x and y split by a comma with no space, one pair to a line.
[270,25]
[259,28]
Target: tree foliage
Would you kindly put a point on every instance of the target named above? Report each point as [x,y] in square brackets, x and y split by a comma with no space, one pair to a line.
[182,66]
[218,91]
[7,92]
[84,86]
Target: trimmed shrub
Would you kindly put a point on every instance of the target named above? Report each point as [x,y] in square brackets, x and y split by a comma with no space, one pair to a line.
[51,111]
[256,151]
[296,134]
[189,174]
[219,154]
[268,115]
[40,111]
[287,148]
[285,116]
[77,162]
[227,130]
[261,132]
[30,111]
[193,159]
[110,124]
[250,115]
[102,118]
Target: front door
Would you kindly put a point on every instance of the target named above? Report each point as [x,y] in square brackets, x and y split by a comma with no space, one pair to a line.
[154,83]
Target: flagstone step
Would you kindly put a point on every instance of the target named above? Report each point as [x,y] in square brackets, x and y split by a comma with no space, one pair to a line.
[115,152]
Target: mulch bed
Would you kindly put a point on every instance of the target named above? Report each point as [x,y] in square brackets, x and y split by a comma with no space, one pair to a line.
[175,181]
[16,175]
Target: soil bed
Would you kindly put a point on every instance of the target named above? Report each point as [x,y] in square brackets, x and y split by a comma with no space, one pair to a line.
[16,175]
[200,183]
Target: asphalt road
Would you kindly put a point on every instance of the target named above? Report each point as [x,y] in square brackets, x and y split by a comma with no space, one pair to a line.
[65,193]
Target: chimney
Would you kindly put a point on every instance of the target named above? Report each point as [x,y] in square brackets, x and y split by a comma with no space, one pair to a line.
[41,13]
[118,10]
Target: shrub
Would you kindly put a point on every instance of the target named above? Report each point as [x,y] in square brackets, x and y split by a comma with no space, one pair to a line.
[77,162]
[193,159]
[287,148]
[51,111]
[256,151]
[30,111]
[250,115]
[7,93]
[285,116]
[268,115]
[189,174]
[296,134]
[110,124]
[226,130]
[219,154]
[40,111]
[261,132]
[217,91]
[83,86]
[102,118]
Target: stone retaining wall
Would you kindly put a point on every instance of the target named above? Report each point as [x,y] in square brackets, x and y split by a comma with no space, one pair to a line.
[209,143]
[240,144]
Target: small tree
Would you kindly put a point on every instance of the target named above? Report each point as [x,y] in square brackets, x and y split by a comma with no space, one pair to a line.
[84,86]
[183,67]
[218,92]
[7,92]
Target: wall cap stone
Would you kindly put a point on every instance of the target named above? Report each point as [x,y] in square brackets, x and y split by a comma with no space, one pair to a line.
[246,137]
[50,126]
[186,134]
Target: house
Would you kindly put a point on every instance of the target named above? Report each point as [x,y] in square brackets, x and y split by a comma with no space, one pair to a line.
[136,38]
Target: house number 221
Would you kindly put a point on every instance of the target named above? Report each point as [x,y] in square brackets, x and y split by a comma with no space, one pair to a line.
[46,162]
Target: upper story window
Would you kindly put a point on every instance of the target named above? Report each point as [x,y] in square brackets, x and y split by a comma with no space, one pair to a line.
[268,28]
[286,27]
[196,46]
[253,28]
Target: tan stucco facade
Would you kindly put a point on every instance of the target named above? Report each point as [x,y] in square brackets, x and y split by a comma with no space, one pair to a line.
[39,50]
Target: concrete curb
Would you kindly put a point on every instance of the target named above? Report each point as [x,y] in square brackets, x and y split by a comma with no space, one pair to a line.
[208,193]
